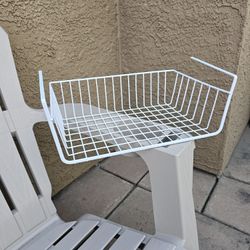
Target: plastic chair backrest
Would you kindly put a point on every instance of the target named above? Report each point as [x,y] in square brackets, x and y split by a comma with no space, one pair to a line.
[25,189]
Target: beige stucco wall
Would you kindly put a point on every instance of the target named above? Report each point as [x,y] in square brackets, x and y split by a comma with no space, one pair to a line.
[158,34]
[66,39]
[240,110]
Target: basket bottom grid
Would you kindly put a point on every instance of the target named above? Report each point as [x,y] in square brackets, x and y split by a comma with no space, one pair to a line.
[102,133]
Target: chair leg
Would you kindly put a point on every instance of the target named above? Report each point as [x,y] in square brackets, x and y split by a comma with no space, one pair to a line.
[171,177]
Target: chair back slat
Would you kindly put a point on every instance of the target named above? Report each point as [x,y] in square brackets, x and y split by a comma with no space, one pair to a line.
[28,144]
[7,224]
[18,185]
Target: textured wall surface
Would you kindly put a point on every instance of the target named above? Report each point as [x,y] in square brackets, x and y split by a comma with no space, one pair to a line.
[66,39]
[158,34]
[240,110]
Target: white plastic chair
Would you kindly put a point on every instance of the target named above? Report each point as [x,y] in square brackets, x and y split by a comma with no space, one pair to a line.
[28,218]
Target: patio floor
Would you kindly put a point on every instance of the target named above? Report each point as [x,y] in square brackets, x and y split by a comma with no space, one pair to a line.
[119,189]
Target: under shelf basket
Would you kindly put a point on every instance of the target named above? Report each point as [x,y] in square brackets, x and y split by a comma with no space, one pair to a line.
[98,117]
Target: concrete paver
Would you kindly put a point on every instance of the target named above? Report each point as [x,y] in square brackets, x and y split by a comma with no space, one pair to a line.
[96,192]
[230,203]
[129,168]
[136,211]
[203,183]
[145,182]
[216,236]
[239,165]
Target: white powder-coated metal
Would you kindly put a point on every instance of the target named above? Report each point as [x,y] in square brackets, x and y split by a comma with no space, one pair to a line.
[97,117]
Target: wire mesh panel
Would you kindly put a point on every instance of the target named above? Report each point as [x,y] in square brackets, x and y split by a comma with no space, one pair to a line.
[92,118]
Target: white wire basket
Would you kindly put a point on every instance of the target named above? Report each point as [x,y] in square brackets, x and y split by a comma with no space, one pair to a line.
[98,117]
